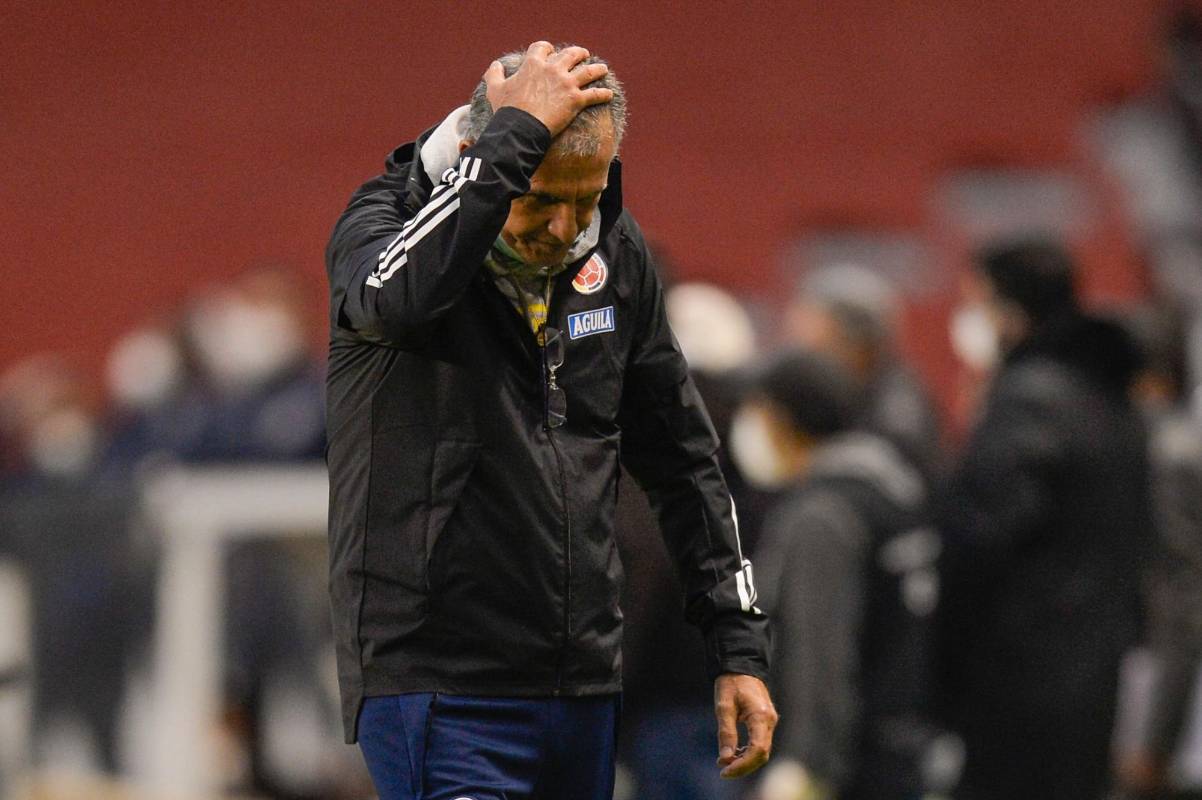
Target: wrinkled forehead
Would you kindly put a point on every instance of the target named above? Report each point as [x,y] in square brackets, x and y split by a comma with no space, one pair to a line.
[565,175]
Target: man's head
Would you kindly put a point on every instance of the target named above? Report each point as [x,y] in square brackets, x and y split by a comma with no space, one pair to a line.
[1023,285]
[848,312]
[796,399]
[566,188]
[586,135]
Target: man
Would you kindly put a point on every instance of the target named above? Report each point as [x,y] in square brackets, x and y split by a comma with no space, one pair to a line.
[1173,585]
[1046,527]
[498,342]
[850,313]
[848,574]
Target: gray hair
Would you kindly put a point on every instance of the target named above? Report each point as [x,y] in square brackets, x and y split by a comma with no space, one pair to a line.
[863,301]
[583,135]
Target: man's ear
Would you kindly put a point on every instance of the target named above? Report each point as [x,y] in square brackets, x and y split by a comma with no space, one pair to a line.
[464,144]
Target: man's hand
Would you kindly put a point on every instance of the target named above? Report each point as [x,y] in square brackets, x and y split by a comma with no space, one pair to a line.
[548,85]
[743,699]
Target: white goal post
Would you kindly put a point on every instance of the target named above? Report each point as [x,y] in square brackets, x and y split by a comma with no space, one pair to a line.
[197,512]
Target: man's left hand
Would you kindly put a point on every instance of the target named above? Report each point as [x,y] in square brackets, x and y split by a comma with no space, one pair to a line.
[743,699]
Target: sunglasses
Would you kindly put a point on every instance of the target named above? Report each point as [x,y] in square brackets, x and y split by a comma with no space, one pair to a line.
[556,402]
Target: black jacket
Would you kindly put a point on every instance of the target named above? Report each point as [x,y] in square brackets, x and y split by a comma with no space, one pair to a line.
[1046,528]
[847,567]
[472,548]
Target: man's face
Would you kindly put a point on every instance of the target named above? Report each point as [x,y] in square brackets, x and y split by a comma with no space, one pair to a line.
[563,196]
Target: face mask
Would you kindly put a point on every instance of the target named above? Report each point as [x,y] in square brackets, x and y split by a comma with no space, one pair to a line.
[506,260]
[144,370]
[975,338]
[243,345]
[507,254]
[754,452]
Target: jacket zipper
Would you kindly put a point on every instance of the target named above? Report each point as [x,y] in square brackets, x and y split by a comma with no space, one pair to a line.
[541,352]
[567,520]
[563,489]
[567,550]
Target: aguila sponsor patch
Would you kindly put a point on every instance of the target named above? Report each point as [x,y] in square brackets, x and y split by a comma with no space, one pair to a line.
[592,276]
[586,323]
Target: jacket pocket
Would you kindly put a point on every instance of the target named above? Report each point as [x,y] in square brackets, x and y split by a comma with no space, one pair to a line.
[453,463]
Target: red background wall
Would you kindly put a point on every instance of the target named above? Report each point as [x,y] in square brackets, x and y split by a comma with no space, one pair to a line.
[149,148]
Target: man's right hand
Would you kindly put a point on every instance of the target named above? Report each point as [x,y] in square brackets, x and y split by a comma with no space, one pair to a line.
[548,85]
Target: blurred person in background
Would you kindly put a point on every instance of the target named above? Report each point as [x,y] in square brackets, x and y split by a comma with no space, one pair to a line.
[667,741]
[147,374]
[1174,581]
[1046,526]
[847,567]
[69,529]
[1182,54]
[233,382]
[257,396]
[263,389]
[851,312]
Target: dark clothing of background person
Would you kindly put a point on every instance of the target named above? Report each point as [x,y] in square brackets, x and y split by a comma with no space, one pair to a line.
[1175,580]
[1046,526]
[472,546]
[898,407]
[92,595]
[847,567]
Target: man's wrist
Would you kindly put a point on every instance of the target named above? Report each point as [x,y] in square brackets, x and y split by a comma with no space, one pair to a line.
[514,143]
[512,116]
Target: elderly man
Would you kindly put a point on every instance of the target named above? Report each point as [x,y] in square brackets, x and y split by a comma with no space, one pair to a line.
[498,345]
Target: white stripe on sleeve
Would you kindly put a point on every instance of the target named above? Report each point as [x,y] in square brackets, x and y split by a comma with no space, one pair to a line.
[443,202]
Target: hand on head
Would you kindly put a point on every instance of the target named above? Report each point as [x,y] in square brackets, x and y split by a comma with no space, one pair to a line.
[548,85]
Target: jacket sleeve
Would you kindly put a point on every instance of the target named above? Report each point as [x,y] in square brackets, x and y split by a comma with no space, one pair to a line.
[391,271]
[670,448]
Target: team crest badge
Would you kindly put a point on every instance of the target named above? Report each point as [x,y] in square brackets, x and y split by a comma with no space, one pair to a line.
[592,276]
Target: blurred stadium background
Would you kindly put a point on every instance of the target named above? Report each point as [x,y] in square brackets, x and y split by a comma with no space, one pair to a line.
[171,173]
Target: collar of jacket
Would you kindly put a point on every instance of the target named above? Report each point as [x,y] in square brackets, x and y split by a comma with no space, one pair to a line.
[1098,348]
[863,456]
[407,158]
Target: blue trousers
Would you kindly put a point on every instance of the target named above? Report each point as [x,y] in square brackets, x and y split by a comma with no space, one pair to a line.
[444,747]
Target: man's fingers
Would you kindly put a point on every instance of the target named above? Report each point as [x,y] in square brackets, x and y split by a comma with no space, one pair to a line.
[494,75]
[591,97]
[760,725]
[759,744]
[540,49]
[570,56]
[587,73]
[728,730]
[751,759]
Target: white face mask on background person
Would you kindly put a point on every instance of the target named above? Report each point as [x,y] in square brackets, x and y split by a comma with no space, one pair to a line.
[145,368]
[975,337]
[754,451]
[241,345]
